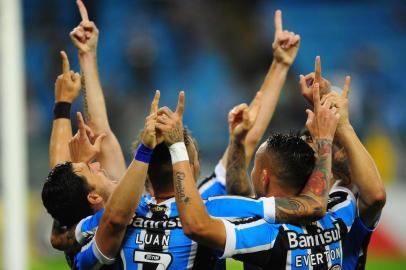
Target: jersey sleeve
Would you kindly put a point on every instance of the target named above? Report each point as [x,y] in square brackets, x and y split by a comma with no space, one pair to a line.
[215,184]
[90,257]
[86,228]
[342,205]
[240,207]
[249,237]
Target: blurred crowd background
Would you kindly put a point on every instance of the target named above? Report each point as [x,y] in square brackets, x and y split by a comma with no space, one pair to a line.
[219,52]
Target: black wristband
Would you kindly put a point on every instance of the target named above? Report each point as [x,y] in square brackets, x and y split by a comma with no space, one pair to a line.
[62,110]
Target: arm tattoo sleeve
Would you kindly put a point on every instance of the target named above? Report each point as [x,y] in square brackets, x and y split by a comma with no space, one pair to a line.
[237,180]
[310,204]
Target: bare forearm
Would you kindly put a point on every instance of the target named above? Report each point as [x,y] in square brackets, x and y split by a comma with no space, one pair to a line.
[364,173]
[237,181]
[311,203]
[111,156]
[124,200]
[271,89]
[95,105]
[196,222]
[58,145]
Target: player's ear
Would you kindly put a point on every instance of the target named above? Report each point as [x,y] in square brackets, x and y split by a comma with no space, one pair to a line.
[265,180]
[94,198]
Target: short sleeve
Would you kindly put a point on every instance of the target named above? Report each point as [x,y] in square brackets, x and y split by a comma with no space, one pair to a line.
[90,257]
[249,237]
[239,207]
[214,185]
[342,204]
[86,228]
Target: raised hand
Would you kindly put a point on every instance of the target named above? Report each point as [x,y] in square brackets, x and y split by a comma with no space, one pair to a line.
[340,102]
[170,124]
[149,134]
[306,82]
[285,44]
[322,123]
[80,146]
[67,85]
[86,35]
[242,117]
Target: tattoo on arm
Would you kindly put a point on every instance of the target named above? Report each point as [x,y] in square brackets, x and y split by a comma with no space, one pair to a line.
[180,187]
[237,180]
[176,134]
[307,206]
[85,103]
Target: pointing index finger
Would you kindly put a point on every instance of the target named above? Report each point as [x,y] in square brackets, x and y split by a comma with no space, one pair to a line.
[82,10]
[278,21]
[317,70]
[181,103]
[81,124]
[65,63]
[155,102]
[346,88]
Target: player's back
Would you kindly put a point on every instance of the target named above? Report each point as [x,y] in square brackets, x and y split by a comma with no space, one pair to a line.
[284,246]
[155,240]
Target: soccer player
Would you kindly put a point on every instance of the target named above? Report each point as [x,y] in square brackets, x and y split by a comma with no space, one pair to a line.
[155,238]
[259,242]
[364,174]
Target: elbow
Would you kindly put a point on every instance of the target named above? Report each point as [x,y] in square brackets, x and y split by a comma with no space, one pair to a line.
[194,230]
[378,199]
[115,221]
[57,243]
[316,212]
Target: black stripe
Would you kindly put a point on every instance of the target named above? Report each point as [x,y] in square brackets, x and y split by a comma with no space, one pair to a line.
[279,252]
[363,259]
[205,259]
[312,230]
[153,234]
[207,179]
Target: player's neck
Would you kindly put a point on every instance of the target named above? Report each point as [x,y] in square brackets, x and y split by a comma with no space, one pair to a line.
[163,196]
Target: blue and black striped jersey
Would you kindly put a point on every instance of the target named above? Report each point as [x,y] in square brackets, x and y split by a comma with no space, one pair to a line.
[356,245]
[284,246]
[155,237]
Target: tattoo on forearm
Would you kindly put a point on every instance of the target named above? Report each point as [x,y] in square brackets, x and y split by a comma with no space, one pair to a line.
[306,207]
[176,134]
[318,181]
[296,210]
[237,180]
[180,187]
[85,103]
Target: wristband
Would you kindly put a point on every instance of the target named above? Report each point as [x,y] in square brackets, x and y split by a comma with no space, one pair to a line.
[178,152]
[143,153]
[62,110]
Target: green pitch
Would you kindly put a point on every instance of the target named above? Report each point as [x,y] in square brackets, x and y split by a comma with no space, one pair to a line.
[373,264]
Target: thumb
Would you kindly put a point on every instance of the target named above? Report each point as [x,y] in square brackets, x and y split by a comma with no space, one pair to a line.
[98,141]
[310,118]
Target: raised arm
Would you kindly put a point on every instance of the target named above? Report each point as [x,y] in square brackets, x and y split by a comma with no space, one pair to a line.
[364,173]
[85,38]
[311,203]
[123,202]
[67,89]
[285,47]
[196,223]
[241,120]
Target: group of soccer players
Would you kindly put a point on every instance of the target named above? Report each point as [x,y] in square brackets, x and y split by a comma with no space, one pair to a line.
[312,201]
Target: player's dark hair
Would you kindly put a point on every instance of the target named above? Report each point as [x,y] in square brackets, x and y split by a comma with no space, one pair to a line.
[64,195]
[160,173]
[340,166]
[292,159]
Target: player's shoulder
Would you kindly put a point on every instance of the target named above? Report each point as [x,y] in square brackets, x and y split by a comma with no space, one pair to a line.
[340,196]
